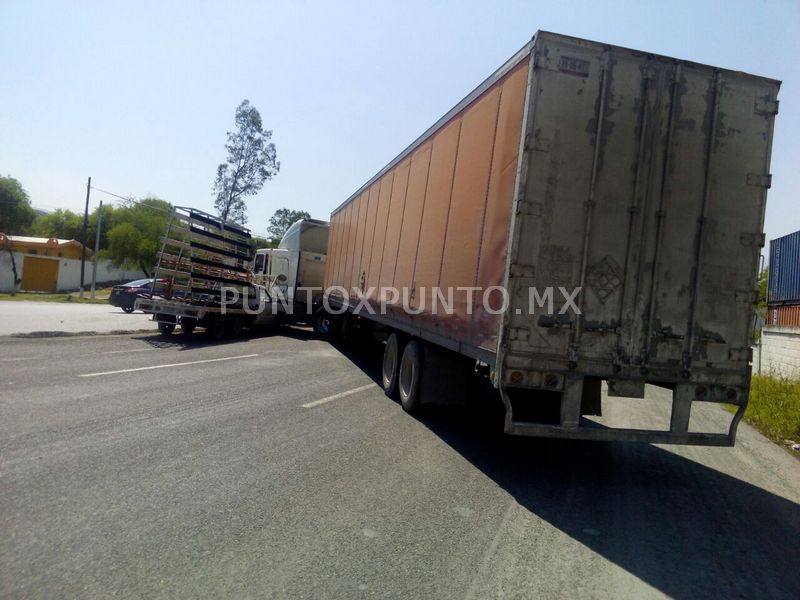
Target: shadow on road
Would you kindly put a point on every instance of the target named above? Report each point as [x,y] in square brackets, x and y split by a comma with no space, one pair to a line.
[200,339]
[683,528]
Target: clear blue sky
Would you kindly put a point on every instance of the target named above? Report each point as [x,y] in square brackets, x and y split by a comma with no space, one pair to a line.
[139,95]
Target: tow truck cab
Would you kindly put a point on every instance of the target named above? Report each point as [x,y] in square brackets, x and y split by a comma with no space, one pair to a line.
[296,268]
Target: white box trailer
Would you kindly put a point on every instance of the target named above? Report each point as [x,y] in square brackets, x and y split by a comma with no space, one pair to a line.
[634,184]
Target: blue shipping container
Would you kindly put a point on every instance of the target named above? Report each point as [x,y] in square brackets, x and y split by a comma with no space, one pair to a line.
[784,270]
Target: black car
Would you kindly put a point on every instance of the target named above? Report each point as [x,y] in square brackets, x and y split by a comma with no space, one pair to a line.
[125,295]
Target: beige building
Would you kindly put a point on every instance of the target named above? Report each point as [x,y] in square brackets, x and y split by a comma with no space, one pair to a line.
[40,259]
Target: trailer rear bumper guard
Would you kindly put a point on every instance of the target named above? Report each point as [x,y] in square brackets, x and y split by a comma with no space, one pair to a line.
[158,307]
[574,426]
[595,432]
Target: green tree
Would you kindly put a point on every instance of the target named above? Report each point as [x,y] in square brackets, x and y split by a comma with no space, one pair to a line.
[257,242]
[16,212]
[61,223]
[135,238]
[252,160]
[282,220]
[67,225]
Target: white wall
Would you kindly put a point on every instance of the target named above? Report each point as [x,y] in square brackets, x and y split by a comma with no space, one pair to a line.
[69,272]
[779,352]
[6,273]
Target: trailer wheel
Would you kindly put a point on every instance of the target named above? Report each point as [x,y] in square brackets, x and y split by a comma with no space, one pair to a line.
[128,309]
[188,326]
[166,328]
[391,365]
[410,376]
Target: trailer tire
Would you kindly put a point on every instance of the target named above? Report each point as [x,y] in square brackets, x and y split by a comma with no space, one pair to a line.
[128,309]
[166,328]
[391,365]
[409,377]
[188,326]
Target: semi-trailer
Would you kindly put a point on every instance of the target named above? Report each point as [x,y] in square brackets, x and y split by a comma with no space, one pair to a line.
[597,214]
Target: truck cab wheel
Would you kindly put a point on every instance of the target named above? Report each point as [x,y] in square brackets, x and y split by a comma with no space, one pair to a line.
[410,376]
[188,325]
[166,328]
[391,365]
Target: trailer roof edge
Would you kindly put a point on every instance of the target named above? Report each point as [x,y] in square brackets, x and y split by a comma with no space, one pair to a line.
[468,99]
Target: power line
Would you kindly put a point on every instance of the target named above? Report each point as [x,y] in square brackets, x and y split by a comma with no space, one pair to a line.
[128,198]
[133,200]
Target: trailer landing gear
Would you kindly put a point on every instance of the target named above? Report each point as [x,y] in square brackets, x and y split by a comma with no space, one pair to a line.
[326,325]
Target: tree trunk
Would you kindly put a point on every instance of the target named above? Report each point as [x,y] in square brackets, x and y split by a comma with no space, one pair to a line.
[14,271]
[230,194]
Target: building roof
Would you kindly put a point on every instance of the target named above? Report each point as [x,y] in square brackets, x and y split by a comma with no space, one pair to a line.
[39,241]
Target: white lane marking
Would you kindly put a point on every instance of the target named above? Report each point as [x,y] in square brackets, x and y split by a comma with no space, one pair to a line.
[183,364]
[114,352]
[337,396]
[19,359]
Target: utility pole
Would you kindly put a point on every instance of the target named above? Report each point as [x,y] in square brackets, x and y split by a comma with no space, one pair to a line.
[97,246]
[85,228]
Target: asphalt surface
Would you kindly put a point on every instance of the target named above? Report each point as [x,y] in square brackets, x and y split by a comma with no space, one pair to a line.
[37,318]
[285,472]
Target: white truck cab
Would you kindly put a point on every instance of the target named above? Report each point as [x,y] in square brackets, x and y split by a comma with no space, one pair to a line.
[298,263]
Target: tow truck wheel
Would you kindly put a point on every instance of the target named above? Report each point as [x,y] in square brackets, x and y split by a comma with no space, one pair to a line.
[216,329]
[391,365]
[236,326]
[188,325]
[166,328]
[410,376]
[128,309]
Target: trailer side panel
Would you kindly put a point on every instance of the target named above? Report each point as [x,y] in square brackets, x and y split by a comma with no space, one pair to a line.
[449,205]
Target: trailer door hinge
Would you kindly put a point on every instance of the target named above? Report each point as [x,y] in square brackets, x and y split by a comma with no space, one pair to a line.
[533,209]
[759,180]
[766,105]
[741,354]
[746,296]
[753,239]
[541,144]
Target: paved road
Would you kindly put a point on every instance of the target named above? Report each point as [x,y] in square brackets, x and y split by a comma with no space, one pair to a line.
[284,472]
[28,317]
